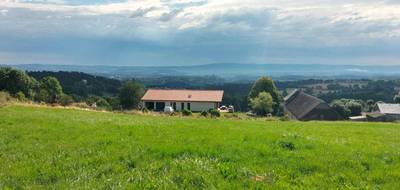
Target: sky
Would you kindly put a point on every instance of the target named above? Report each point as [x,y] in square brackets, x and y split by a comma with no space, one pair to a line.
[192,32]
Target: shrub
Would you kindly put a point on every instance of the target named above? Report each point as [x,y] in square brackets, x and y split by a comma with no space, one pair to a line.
[20,96]
[186,112]
[98,101]
[66,100]
[284,118]
[204,113]
[214,113]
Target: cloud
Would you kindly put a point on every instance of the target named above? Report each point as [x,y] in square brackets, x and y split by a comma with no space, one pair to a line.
[287,31]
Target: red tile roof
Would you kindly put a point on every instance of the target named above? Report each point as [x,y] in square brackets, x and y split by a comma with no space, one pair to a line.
[183,95]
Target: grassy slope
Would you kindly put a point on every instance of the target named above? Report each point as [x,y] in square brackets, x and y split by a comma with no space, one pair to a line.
[57,148]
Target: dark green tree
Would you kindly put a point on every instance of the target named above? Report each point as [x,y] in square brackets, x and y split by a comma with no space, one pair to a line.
[15,81]
[355,107]
[130,94]
[66,100]
[341,108]
[50,90]
[266,84]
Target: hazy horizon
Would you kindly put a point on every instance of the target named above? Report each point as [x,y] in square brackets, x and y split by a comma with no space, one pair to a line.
[199,32]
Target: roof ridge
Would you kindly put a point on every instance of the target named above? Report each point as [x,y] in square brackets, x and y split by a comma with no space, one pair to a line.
[183,89]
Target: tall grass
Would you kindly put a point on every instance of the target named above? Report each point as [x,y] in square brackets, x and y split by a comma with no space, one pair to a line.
[4,98]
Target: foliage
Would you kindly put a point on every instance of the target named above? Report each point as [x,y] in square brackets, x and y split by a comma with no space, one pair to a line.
[81,85]
[15,81]
[48,148]
[214,113]
[262,104]
[265,84]
[204,113]
[66,100]
[396,98]
[284,118]
[349,107]
[50,90]
[98,101]
[186,112]
[130,94]
[114,103]
[20,96]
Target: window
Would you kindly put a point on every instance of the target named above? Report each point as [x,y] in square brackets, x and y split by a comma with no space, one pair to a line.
[182,106]
[188,106]
[174,105]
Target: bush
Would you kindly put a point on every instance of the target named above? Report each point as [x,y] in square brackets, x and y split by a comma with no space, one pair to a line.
[204,113]
[284,118]
[20,96]
[98,101]
[66,100]
[186,112]
[214,113]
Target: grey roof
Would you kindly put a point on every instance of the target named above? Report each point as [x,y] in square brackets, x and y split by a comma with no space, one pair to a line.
[300,103]
[389,108]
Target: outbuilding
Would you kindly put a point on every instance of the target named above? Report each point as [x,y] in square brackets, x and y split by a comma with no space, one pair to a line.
[301,106]
[385,112]
[194,100]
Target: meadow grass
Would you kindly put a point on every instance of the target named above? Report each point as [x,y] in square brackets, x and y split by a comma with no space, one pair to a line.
[52,148]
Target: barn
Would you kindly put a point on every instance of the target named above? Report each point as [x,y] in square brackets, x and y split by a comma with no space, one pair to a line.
[301,106]
[194,100]
[384,112]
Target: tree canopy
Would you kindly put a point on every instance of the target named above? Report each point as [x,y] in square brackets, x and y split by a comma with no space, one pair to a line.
[50,90]
[130,94]
[14,81]
[262,104]
[266,84]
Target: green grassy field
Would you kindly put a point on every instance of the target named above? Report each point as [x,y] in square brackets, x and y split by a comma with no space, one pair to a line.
[69,149]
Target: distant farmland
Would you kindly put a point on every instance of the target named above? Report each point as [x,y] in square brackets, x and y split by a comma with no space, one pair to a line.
[69,149]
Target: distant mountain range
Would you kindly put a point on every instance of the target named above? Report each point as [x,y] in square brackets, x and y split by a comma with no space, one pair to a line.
[229,70]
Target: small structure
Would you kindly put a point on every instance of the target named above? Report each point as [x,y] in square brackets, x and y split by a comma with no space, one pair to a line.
[385,112]
[301,106]
[194,100]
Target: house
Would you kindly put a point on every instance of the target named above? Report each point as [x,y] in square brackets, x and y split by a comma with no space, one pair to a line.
[301,106]
[385,112]
[194,100]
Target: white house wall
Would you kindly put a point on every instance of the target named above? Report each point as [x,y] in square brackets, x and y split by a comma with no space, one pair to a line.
[194,106]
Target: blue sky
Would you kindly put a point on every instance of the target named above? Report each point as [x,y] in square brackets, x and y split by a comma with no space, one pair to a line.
[189,32]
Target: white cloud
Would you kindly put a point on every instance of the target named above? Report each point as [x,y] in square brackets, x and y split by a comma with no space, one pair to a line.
[248,29]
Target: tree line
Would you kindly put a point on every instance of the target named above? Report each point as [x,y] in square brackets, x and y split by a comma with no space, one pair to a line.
[263,97]
[47,89]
